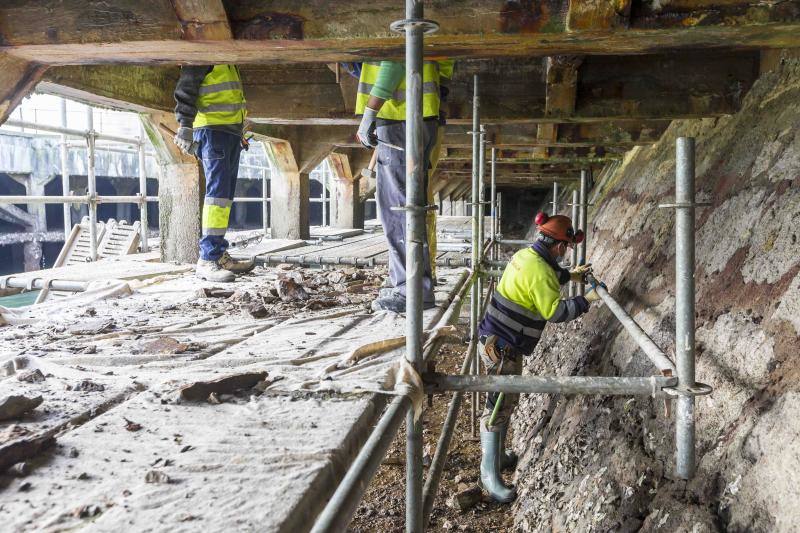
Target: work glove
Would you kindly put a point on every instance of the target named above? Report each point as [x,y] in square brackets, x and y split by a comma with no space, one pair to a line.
[592,296]
[183,139]
[366,130]
[578,274]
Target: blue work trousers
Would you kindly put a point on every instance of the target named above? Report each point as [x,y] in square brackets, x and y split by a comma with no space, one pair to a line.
[391,192]
[219,152]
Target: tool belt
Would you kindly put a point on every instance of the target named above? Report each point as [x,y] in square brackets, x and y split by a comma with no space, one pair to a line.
[496,354]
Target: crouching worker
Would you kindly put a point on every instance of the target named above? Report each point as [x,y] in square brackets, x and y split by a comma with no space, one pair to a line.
[527,297]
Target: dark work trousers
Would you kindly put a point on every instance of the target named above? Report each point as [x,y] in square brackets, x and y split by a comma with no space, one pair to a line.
[219,152]
[391,192]
[500,359]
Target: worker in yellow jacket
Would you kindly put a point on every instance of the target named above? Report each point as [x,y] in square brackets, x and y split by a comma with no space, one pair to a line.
[211,110]
[527,297]
[381,102]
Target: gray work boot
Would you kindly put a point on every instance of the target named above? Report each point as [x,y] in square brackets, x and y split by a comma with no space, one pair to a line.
[237,266]
[508,459]
[490,468]
[394,301]
[212,271]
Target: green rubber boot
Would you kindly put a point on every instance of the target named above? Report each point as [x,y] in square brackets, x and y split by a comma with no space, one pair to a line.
[490,468]
[508,459]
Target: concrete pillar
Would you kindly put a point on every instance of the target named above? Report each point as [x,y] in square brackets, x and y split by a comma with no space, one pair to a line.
[349,207]
[180,192]
[290,193]
[33,249]
[17,79]
[180,197]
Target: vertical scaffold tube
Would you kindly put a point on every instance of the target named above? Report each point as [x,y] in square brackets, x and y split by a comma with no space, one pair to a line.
[415,239]
[474,304]
[143,222]
[91,138]
[493,204]
[65,171]
[265,202]
[573,287]
[684,303]
[582,223]
[555,197]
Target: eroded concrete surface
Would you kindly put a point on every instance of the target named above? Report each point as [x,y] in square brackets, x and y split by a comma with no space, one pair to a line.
[130,454]
[591,464]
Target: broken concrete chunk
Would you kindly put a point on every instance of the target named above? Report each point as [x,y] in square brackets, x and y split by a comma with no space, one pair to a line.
[130,425]
[16,406]
[93,327]
[31,376]
[257,310]
[7,369]
[289,290]
[466,499]
[89,386]
[156,476]
[20,469]
[200,391]
[215,292]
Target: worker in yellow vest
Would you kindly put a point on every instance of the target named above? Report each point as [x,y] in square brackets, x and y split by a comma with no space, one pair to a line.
[527,297]
[211,109]
[381,102]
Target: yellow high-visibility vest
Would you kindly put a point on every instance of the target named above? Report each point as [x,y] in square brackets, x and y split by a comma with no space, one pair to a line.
[395,107]
[221,99]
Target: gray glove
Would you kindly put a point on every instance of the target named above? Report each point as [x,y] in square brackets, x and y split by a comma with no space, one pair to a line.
[183,139]
[366,130]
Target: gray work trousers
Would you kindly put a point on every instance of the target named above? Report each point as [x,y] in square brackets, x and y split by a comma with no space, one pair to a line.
[391,192]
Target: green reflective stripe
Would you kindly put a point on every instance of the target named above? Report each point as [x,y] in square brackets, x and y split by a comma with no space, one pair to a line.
[215,217]
[517,308]
[217,108]
[510,322]
[223,86]
[429,87]
[221,202]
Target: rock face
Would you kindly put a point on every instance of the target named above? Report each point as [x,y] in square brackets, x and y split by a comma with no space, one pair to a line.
[600,464]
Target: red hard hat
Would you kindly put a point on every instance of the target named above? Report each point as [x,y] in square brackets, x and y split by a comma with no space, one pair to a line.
[558,227]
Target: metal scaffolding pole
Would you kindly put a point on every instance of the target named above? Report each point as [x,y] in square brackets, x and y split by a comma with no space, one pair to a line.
[143,222]
[555,197]
[415,209]
[474,304]
[650,349]
[582,224]
[623,386]
[684,303]
[343,504]
[64,152]
[324,192]
[493,204]
[265,202]
[573,286]
[91,138]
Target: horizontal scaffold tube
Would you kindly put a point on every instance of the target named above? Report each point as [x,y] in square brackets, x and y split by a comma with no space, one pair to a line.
[39,283]
[624,386]
[311,260]
[651,350]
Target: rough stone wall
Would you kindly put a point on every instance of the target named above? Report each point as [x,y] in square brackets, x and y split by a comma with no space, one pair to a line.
[604,464]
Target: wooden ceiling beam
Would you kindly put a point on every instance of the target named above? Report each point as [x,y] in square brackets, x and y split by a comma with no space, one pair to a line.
[266,31]
[203,20]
